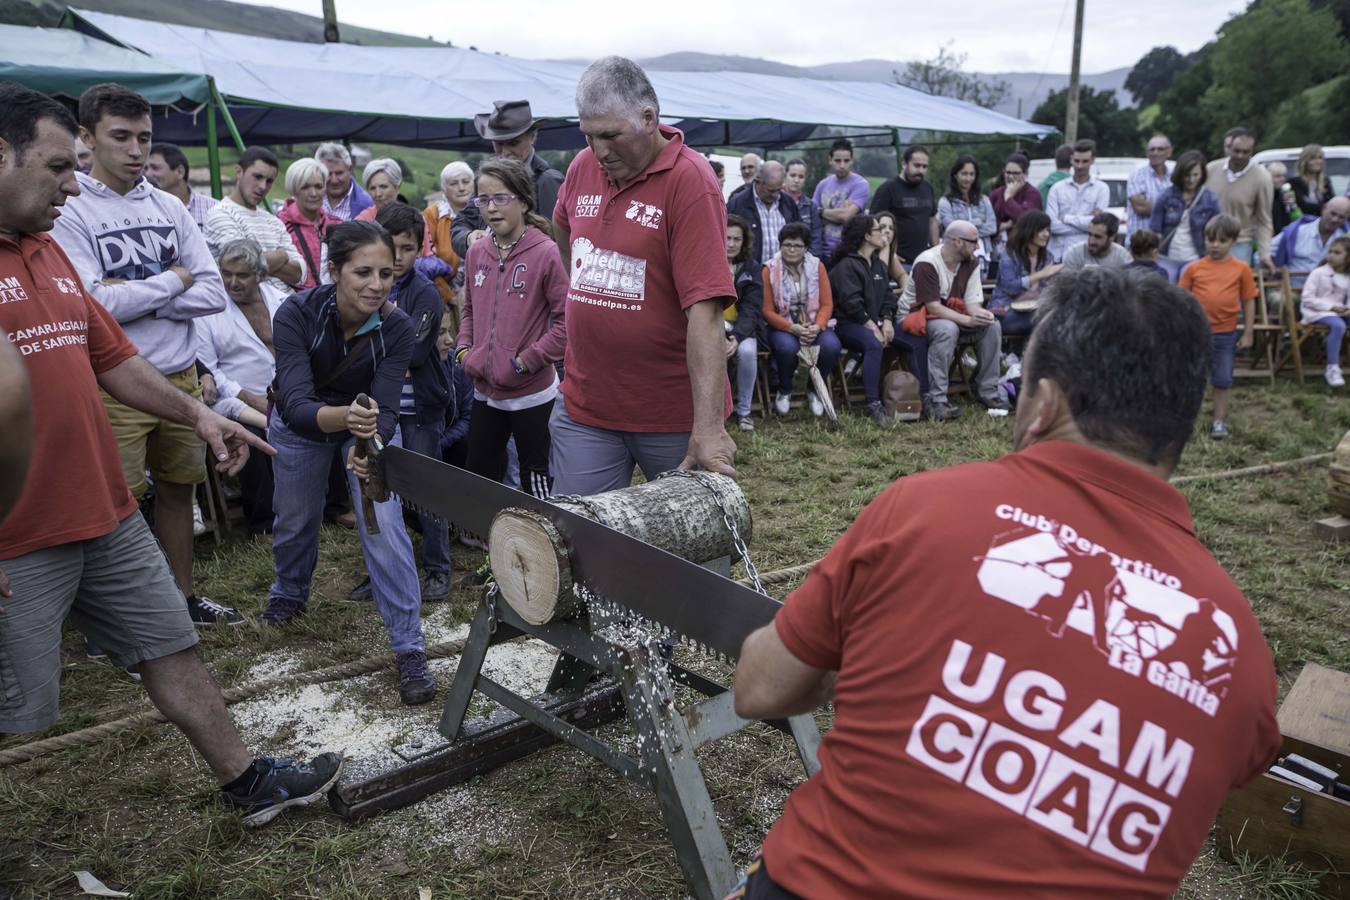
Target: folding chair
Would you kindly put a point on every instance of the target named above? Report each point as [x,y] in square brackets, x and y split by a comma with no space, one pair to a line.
[1294,324]
[211,499]
[762,392]
[1265,330]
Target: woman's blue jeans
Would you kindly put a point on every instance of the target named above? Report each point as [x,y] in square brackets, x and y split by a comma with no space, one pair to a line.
[300,479]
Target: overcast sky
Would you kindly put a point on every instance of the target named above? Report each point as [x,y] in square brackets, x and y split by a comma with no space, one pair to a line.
[1022,35]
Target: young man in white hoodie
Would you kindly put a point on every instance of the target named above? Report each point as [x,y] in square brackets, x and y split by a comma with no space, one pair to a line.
[141,255]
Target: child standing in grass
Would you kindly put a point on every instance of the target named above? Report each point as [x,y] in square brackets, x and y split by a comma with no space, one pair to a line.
[1222,285]
[513,327]
[1326,301]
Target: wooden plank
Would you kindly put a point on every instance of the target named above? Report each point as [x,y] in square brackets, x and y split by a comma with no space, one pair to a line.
[1317,709]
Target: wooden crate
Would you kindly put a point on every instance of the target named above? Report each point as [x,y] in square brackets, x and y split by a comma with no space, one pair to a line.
[1315,722]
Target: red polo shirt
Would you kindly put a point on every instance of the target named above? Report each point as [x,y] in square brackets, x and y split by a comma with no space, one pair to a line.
[993,737]
[641,256]
[75,488]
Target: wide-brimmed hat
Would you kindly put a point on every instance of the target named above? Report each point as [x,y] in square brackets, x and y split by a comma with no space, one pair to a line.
[508,120]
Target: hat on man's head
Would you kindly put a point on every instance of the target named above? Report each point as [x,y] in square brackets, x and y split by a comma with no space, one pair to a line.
[508,120]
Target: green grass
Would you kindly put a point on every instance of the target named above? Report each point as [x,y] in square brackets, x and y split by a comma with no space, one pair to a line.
[139,810]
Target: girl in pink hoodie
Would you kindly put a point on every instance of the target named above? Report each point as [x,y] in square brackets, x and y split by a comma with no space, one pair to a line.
[512,330]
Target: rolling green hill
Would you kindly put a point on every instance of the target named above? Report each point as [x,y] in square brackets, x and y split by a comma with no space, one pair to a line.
[220,15]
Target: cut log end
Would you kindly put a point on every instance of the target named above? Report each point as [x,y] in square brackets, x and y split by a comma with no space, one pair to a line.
[532,566]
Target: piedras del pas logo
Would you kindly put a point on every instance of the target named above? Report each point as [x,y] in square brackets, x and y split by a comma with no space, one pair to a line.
[644,214]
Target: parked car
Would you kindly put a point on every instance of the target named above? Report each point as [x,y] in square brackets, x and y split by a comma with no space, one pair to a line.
[1114,170]
[1338,163]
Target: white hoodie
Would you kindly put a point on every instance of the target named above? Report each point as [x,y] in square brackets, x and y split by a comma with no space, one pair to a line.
[136,237]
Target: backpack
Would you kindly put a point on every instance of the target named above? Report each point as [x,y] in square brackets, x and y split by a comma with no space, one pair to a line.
[900,395]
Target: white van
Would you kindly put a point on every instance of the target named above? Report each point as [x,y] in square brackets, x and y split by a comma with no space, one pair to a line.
[1338,163]
[1114,170]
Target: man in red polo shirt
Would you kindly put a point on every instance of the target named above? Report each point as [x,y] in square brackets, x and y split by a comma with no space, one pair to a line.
[991,739]
[75,544]
[641,227]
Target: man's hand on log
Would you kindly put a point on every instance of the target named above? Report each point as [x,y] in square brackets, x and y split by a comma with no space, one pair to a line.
[714,451]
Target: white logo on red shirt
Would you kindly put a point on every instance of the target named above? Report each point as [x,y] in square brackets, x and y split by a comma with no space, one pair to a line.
[588,206]
[1116,808]
[644,214]
[66,285]
[12,290]
[1135,615]
[607,273]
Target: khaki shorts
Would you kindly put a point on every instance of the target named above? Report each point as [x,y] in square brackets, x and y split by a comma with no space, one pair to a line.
[171,452]
[117,589]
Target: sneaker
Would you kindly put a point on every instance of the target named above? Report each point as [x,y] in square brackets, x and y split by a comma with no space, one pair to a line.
[198,524]
[817,408]
[476,578]
[346,520]
[263,538]
[281,610]
[1219,430]
[877,413]
[782,403]
[995,402]
[93,651]
[469,539]
[1334,377]
[435,585]
[205,611]
[942,411]
[415,684]
[745,423]
[280,783]
[362,592]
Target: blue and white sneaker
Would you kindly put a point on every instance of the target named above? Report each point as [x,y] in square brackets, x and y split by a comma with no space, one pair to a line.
[280,783]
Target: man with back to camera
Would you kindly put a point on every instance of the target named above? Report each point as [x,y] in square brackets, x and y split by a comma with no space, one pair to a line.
[141,256]
[981,747]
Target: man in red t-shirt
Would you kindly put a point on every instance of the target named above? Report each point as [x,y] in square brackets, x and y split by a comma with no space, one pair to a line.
[642,230]
[975,751]
[16,424]
[75,543]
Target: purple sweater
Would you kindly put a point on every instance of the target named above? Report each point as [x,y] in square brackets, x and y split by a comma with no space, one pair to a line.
[513,308]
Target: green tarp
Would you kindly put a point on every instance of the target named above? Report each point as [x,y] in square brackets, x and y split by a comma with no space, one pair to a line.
[64,62]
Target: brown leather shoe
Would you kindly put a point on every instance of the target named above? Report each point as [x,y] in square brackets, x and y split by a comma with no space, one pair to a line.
[346,520]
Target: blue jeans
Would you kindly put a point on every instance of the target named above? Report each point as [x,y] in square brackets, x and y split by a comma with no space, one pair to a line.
[860,339]
[747,368]
[426,440]
[1223,346]
[785,346]
[1337,326]
[917,345]
[1015,322]
[300,477]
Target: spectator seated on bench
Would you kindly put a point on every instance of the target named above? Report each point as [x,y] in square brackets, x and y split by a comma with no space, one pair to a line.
[1024,269]
[798,303]
[745,320]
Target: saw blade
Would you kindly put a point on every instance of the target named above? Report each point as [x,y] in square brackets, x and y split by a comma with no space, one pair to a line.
[672,593]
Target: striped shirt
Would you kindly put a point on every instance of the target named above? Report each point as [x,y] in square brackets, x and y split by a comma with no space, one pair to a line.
[229,221]
[771,222]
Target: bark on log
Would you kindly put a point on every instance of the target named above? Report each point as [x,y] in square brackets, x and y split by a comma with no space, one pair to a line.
[682,515]
[678,513]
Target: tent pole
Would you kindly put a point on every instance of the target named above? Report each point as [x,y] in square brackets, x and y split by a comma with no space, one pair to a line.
[213,147]
[225,114]
[899,150]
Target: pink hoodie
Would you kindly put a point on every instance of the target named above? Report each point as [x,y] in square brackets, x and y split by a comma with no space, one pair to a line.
[308,238]
[513,308]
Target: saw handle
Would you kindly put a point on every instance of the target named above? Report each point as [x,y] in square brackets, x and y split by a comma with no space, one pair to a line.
[363,451]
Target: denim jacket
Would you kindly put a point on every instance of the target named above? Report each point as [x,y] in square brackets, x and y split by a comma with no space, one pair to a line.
[1169,207]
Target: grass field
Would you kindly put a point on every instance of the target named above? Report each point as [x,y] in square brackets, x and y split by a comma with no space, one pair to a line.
[140,811]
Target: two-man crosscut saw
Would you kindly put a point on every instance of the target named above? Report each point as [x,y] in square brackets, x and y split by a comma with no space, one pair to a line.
[671,594]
